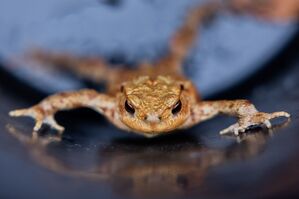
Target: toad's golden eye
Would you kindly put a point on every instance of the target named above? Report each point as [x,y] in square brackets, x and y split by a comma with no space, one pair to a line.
[129,108]
[177,107]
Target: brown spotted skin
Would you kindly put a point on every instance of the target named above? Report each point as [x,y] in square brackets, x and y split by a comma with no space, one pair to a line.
[272,10]
[152,99]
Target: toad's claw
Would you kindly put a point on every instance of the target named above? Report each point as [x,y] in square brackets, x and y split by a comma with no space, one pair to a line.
[51,121]
[279,114]
[20,112]
[257,119]
[230,129]
[40,118]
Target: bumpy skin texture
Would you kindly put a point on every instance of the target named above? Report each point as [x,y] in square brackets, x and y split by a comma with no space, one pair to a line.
[152,99]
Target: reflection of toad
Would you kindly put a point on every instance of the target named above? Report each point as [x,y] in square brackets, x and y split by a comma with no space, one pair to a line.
[151,100]
[142,168]
[281,10]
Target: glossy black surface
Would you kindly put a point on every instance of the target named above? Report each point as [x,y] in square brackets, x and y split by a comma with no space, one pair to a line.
[96,160]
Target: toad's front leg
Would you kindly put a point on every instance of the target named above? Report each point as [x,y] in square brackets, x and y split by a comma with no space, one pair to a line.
[248,116]
[44,111]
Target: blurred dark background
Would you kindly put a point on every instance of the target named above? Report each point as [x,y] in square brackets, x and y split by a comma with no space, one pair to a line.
[96,160]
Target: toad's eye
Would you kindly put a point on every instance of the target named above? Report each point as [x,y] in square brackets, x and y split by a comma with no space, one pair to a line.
[122,88]
[129,108]
[177,107]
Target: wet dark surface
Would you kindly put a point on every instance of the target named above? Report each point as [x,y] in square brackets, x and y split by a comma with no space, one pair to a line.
[95,160]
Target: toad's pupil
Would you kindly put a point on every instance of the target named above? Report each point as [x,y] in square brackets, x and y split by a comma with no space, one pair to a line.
[129,108]
[177,107]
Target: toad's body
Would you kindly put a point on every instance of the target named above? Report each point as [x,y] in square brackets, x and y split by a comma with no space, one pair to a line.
[151,100]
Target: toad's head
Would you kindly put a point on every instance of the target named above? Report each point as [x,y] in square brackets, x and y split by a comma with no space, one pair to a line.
[154,106]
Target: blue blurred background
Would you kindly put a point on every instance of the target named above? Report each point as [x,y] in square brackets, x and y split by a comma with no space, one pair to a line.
[231,48]
[235,56]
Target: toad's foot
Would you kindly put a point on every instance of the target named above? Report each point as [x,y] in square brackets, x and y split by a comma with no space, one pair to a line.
[40,118]
[257,119]
[44,112]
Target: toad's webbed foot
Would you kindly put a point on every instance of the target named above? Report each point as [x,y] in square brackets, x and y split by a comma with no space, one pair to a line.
[253,120]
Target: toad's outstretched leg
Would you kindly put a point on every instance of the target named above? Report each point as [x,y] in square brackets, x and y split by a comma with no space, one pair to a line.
[184,38]
[92,68]
[44,111]
[98,70]
[270,10]
[248,115]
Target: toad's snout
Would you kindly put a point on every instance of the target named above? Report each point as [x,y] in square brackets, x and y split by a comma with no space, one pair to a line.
[153,118]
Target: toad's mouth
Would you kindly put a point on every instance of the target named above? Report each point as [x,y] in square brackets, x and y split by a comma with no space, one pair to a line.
[151,129]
